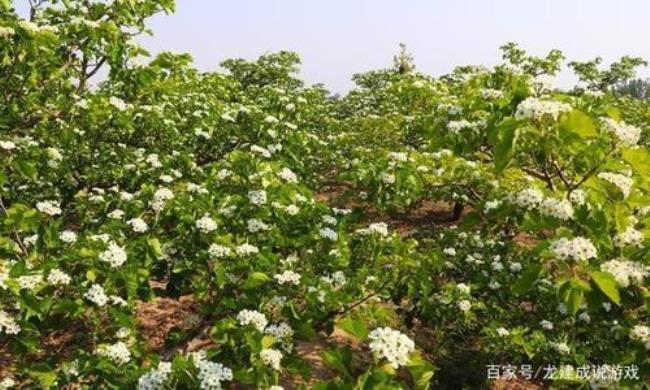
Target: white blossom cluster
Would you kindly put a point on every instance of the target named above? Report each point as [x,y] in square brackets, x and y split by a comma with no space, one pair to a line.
[114,255]
[534,108]
[392,345]
[624,183]
[529,198]
[379,228]
[272,358]
[68,236]
[8,324]
[254,225]
[57,277]
[160,198]
[48,207]
[288,175]
[579,249]
[96,295]
[288,277]
[246,249]
[138,225]
[329,234]
[629,237]
[219,251]
[252,317]
[206,224]
[118,352]
[281,331]
[257,197]
[156,378]
[629,135]
[560,209]
[211,374]
[642,334]
[626,272]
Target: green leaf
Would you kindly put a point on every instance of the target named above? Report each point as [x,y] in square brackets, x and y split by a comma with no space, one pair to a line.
[27,169]
[339,359]
[254,280]
[505,148]
[154,247]
[607,284]
[639,159]
[526,280]
[579,123]
[422,371]
[356,328]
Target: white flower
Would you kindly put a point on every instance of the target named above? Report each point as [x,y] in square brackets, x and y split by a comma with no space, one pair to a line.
[48,207]
[29,282]
[387,178]
[118,352]
[257,197]
[246,249]
[328,234]
[160,198]
[68,236]
[255,225]
[641,333]
[272,358]
[116,214]
[562,347]
[96,295]
[219,251]
[529,198]
[463,288]
[117,103]
[379,228]
[156,378]
[579,249]
[252,317]
[289,277]
[211,374]
[626,272]
[629,135]
[7,145]
[534,108]
[113,255]
[560,209]
[548,325]
[449,251]
[287,175]
[261,151]
[515,267]
[392,345]
[6,32]
[623,182]
[8,324]
[206,224]
[138,225]
[328,219]
[630,237]
[503,332]
[6,383]
[281,331]
[464,305]
[58,278]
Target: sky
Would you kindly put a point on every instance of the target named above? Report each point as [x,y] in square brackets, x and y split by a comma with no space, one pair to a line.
[337,38]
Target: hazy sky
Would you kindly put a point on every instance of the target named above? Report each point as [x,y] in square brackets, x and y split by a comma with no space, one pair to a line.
[336,38]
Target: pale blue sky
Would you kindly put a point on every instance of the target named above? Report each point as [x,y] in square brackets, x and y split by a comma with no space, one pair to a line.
[337,38]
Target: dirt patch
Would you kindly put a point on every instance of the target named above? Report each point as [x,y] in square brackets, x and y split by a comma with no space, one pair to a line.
[514,384]
[311,353]
[525,240]
[157,318]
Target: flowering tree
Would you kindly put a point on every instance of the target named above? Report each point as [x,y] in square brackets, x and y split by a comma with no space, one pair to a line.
[165,186]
